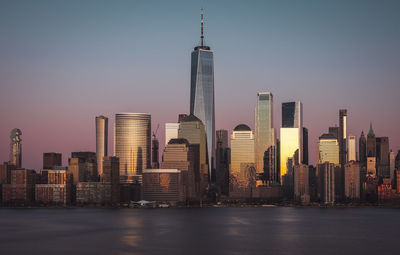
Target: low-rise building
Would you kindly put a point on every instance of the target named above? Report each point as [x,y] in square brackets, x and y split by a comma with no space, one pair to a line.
[163,185]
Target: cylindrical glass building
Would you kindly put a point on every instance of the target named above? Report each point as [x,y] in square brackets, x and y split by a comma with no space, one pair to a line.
[132,139]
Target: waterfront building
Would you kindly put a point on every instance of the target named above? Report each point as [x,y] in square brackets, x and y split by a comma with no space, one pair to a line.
[171,131]
[51,160]
[352,180]
[55,187]
[301,183]
[351,148]
[222,162]
[342,136]
[21,189]
[192,129]
[242,152]
[264,132]
[179,154]
[291,134]
[111,178]
[5,173]
[326,173]
[132,142]
[382,157]
[101,141]
[328,149]
[163,185]
[16,148]
[202,93]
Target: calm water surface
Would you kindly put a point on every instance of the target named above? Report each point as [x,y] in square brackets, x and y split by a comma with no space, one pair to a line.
[200,231]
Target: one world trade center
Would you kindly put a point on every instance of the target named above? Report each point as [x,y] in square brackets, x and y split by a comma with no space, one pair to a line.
[202,93]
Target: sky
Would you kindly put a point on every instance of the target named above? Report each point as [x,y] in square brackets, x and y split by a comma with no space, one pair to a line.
[62,63]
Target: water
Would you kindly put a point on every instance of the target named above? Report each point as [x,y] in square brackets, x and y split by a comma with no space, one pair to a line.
[200,231]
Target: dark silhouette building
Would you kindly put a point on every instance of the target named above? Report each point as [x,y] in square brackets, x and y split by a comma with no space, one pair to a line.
[51,160]
[382,157]
[371,143]
[334,131]
[305,146]
[362,150]
[222,162]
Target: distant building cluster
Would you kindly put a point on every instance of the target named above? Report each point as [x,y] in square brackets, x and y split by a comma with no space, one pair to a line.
[200,164]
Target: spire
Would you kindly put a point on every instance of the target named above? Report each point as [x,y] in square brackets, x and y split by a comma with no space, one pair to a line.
[371,131]
[202,34]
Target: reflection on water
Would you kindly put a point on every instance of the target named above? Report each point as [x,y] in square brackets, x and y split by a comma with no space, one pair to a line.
[199,231]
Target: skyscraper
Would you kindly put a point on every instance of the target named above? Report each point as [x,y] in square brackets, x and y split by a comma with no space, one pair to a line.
[301,183]
[132,142]
[291,135]
[352,180]
[16,148]
[371,142]
[305,146]
[264,131]
[171,131]
[351,148]
[242,153]
[382,156]
[362,150]
[328,149]
[101,141]
[326,173]
[202,92]
[192,129]
[342,135]
[222,161]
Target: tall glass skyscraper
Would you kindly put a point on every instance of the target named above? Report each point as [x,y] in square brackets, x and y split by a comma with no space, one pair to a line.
[291,135]
[264,131]
[101,141]
[16,148]
[132,142]
[202,93]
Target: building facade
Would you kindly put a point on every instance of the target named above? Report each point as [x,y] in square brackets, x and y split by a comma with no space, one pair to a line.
[132,142]
[328,149]
[352,180]
[163,185]
[16,148]
[202,93]
[171,131]
[351,148]
[51,160]
[101,141]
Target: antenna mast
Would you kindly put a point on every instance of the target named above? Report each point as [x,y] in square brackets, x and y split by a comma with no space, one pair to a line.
[202,22]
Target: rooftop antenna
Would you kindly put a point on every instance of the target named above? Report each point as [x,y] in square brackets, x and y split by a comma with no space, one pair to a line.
[202,22]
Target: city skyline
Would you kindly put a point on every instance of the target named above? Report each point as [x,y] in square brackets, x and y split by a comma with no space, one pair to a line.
[42,91]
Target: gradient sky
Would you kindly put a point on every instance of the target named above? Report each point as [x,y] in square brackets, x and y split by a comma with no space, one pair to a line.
[64,62]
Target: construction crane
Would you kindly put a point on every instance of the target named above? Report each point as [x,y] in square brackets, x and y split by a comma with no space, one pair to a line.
[155,133]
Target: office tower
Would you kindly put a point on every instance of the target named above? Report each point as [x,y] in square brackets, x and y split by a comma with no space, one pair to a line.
[352,180]
[202,93]
[192,129]
[110,178]
[392,158]
[342,135]
[54,188]
[326,173]
[132,141]
[371,143]
[351,148]
[301,183]
[371,167]
[171,131]
[51,160]
[222,161]
[163,185]
[5,173]
[179,154]
[305,146]
[101,141]
[328,149]
[362,150]
[88,160]
[21,188]
[242,153]
[76,167]
[16,148]
[291,134]
[181,117]
[154,153]
[264,132]
[334,131]
[382,157]
[271,163]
